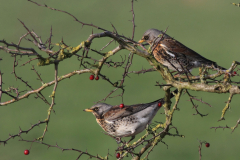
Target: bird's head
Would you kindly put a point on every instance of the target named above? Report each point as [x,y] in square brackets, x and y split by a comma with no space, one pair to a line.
[150,35]
[99,109]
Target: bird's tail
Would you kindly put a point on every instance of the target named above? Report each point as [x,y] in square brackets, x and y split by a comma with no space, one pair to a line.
[219,67]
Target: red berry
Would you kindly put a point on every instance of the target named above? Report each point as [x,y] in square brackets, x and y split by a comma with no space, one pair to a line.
[26,152]
[234,73]
[118,155]
[159,104]
[91,77]
[207,145]
[97,78]
[121,105]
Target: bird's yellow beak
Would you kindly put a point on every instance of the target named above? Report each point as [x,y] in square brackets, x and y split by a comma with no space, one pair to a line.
[141,41]
[88,110]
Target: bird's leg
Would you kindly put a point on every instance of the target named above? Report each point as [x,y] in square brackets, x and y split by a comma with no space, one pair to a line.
[125,144]
[118,140]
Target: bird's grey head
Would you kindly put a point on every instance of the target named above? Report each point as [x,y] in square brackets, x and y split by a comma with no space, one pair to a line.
[150,35]
[99,109]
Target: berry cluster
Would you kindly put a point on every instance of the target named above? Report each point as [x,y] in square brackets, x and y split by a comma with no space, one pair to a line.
[92,77]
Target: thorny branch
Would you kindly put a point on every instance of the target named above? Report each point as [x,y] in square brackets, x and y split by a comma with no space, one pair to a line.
[232,128]
[21,131]
[200,148]
[39,77]
[69,15]
[47,120]
[69,149]
[133,21]
[195,106]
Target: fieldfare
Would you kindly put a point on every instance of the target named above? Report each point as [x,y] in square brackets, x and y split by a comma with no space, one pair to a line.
[127,121]
[174,54]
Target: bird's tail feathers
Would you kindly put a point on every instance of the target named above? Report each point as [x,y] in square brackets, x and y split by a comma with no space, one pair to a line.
[217,66]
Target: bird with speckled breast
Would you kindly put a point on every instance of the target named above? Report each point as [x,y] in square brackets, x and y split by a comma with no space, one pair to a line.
[174,54]
[127,121]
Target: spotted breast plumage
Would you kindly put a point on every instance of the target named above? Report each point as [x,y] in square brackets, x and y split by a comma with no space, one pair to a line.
[174,54]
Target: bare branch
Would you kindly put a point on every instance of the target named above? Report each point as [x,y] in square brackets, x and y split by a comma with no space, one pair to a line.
[46,85]
[195,106]
[133,21]
[66,149]
[226,107]
[69,15]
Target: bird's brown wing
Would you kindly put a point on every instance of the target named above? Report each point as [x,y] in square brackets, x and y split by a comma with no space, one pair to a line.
[176,47]
[116,113]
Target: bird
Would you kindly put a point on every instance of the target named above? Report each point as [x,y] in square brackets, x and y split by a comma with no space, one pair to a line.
[173,54]
[128,121]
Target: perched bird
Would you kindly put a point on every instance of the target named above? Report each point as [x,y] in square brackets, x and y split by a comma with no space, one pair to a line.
[125,121]
[174,54]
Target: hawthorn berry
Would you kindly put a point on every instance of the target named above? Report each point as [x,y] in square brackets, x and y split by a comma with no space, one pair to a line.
[26,152]
[97,78]
[121,105]
[159,104]
[207,144]
[234,73]
[91,77]
[118,155]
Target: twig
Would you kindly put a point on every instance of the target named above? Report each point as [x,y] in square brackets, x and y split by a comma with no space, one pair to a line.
[21,132]
[220,127]
[133,21]
[33,68]
[143,71]
[107,44]
[195,106]
[66,149]
[232,128]
[45,85]
[0,86]
[50,38]
[226,107]
[47,120]
[69,15]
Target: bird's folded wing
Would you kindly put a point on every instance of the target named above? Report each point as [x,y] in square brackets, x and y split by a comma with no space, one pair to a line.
[172,45]
[117,113]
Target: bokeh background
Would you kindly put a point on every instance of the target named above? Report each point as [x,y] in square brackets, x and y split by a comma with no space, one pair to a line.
[210,27]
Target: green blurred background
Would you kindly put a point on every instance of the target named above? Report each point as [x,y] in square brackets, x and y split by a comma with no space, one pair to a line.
[210,27]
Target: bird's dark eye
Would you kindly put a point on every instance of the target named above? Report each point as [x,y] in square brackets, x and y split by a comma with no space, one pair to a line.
[146,37]
[96,109]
